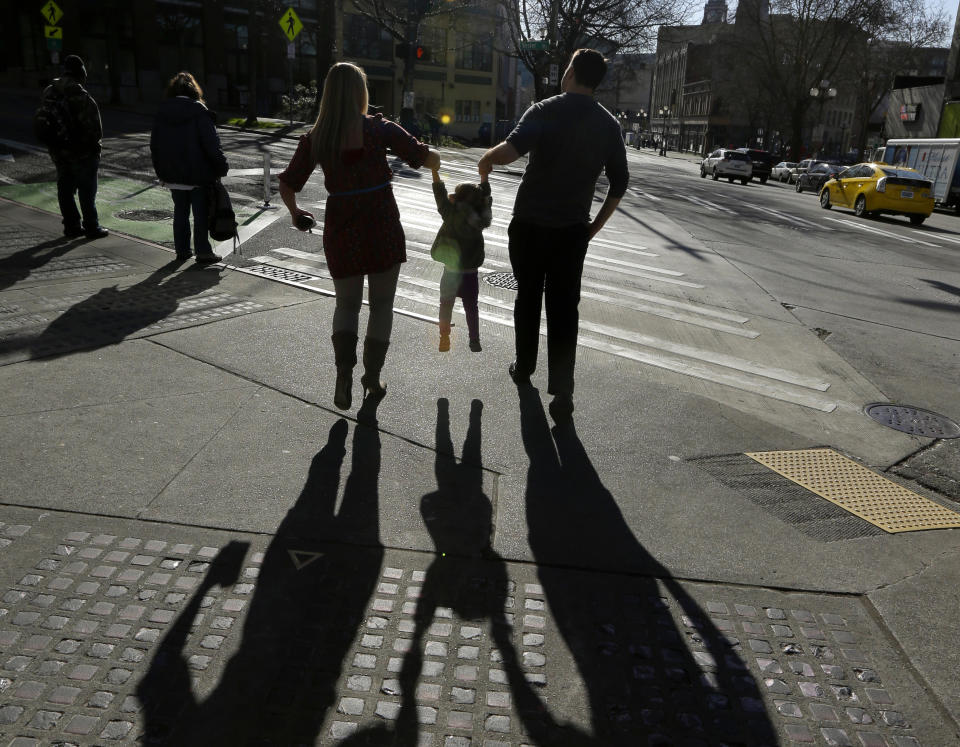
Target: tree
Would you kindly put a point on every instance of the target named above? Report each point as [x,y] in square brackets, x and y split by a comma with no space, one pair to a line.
[611,26]
[894,43]
[790,46]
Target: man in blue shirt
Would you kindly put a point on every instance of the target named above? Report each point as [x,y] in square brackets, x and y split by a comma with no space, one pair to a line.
[571,139]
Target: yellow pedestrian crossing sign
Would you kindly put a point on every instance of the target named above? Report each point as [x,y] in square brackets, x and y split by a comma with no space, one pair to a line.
[289,22]
[51,11]
[53,32]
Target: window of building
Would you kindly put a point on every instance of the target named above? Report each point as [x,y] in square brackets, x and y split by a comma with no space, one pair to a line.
[467,111]
[434,39]
[475,52]
[363,38]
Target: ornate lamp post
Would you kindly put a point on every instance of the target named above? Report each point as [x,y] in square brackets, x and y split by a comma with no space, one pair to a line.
[822,92]
[664,113]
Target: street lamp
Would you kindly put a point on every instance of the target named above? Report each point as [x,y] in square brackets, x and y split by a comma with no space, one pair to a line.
[664,113]
[823,93]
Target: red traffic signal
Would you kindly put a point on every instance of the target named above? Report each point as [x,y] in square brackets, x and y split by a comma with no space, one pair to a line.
[422,53]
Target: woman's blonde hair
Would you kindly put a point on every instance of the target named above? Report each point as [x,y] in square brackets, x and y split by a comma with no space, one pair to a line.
[344,100]
[184,84]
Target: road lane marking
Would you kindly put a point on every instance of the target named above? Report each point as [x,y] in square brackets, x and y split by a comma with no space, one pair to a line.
[787,216]
[881,232]
[939,236]
[705,203]
[664,301]
[249,230]
[644,195]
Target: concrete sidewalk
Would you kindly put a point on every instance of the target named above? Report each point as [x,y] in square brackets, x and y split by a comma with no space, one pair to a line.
[198,549]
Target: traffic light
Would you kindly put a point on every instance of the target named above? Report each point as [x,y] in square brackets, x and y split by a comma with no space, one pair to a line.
[402,49]
[422,53]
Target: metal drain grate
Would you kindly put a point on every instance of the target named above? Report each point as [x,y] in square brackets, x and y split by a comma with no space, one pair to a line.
[145,215]
[280,273]
[501,280]
[858,490]
[913,420]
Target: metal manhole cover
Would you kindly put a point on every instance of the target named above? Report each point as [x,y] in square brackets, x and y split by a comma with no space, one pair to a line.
[145,215]
[913,420]
[501,280]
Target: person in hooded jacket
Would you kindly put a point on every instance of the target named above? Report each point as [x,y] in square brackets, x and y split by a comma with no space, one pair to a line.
[78,160]
[187,157]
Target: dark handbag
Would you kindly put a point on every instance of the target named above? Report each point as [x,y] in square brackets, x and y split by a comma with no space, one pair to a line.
[221,220]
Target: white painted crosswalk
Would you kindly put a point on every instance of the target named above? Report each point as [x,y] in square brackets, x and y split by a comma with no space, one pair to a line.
[624,283]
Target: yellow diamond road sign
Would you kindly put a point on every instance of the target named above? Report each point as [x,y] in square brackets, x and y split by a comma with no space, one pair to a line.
[53,32]
[51,11]
[290,23]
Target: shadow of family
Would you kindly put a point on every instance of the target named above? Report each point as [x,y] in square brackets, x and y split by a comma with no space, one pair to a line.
[636,675]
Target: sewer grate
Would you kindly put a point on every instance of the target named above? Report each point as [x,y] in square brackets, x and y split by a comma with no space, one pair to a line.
[913,420]
[501,280]
[280,273]
[145,215]
[859,490]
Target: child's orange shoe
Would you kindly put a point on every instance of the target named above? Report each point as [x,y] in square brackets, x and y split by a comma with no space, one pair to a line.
[444,343]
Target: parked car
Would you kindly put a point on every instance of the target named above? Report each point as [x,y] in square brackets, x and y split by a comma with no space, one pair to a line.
[761,161]
[817,175]
[802,167]
[876,188]
[732,164]
[781,171]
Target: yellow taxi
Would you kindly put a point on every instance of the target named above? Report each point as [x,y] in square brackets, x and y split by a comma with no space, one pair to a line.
[875,188]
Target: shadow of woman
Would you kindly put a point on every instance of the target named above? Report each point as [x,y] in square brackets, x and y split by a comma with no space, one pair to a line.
[19,265]
[111,315]
[647,676]
[466,578]
[310,600]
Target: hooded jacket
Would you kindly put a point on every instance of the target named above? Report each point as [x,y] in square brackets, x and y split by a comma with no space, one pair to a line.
[86,129]
[184,144]
[459,242]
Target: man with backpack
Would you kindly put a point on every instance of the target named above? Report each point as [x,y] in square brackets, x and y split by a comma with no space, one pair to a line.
[68,123]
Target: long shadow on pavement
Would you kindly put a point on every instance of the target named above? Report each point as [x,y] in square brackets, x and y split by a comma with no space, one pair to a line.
[648,678]
[309,601]
[112,314]
[18,266]
[466,578]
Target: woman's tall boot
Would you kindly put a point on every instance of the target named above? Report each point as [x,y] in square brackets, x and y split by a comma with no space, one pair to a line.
[374,354]
[345,357]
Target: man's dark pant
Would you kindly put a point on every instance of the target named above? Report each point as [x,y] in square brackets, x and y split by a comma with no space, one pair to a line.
[185,201]
[548,262]
[78,176]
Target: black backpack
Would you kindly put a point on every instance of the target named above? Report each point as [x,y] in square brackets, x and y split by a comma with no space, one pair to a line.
[52,122]
[221,220]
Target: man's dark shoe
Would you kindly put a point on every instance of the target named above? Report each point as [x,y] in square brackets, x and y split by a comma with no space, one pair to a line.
[207,259]
[475,346]
[96,233]
[518,378]
[561,409]
[73,232]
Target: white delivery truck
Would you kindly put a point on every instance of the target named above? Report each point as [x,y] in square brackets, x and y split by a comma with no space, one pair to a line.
[938,159]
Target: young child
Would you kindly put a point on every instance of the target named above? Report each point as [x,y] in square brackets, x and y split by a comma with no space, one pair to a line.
[459,246]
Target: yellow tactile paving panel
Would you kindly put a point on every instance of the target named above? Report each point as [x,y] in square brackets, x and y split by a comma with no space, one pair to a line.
[858,490]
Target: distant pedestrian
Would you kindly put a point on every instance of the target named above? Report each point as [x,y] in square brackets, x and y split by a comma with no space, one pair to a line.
[188,159]
[77,158]
[362,234]
[570,139]
[459,246]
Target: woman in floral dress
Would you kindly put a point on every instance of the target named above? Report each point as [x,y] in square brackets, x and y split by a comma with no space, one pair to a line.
[362,235]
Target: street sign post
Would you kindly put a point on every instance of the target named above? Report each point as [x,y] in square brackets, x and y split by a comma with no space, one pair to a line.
[554,74]
[290,23]
[51,11]
[541,45]
[54,36]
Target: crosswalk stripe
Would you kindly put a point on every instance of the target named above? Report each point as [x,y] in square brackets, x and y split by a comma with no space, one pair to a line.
[675,316]
[664,301]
